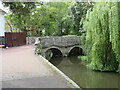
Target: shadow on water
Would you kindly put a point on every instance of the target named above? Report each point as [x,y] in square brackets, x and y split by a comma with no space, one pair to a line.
[84,77]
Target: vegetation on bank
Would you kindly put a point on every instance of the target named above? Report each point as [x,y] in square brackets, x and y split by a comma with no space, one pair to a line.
[83,58]
[103,36]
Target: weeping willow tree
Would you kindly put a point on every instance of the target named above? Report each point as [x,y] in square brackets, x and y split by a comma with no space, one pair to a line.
[102,27]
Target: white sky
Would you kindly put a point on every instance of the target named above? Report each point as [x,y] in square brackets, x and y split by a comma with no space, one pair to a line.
[3,8]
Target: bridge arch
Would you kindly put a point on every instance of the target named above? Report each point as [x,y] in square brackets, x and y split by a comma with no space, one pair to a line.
[76,50]
[54,51]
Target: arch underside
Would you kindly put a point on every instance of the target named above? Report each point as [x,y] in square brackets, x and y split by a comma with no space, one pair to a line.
[54,52]
[59,52]
[75,51]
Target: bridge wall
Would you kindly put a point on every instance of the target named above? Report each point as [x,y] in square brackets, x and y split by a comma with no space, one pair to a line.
[63,41]
[55,40]
[30,40]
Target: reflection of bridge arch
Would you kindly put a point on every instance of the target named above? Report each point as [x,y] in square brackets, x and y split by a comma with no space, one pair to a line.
[75,50]
[55,51]
[65,61]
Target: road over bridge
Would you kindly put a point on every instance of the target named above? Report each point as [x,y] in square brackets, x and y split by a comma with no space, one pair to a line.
[61,46]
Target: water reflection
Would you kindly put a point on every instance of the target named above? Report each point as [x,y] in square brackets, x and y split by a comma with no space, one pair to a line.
[84,77]
[56,61]
[73,60]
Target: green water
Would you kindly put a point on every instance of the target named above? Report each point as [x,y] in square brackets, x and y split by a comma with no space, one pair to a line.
[84,77]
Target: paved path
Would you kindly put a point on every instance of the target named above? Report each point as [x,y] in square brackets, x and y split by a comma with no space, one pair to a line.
[22,69]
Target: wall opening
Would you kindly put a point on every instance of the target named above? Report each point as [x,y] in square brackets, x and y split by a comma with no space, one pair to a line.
[76,51]
[53,53]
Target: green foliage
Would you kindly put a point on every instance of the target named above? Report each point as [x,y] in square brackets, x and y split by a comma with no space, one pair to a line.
[70,35]
[103,36]
[48,18]
[82,42]
[83,58]
[20,8]
[15,30]
[78,13]
[39,49]
[20,14]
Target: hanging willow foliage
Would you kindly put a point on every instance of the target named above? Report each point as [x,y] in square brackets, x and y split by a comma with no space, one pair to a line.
[102,25]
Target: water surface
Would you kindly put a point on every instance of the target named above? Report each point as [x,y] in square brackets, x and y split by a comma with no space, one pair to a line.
[84,77]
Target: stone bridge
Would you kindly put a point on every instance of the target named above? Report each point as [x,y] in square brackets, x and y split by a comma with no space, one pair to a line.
[61,46]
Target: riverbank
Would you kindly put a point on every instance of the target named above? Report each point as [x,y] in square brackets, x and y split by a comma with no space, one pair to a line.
[21,68]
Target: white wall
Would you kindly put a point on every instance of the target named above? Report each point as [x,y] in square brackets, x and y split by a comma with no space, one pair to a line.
[2,27]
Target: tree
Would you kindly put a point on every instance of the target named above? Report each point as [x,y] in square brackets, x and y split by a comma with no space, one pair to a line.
[61,12]
[49,17]
[103,36]
[78,13]
[21,12]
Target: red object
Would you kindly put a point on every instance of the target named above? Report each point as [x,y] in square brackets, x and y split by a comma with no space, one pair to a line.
[15,38]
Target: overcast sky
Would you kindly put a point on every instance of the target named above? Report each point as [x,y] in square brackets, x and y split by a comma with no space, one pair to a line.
[1,6]
[5,9]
